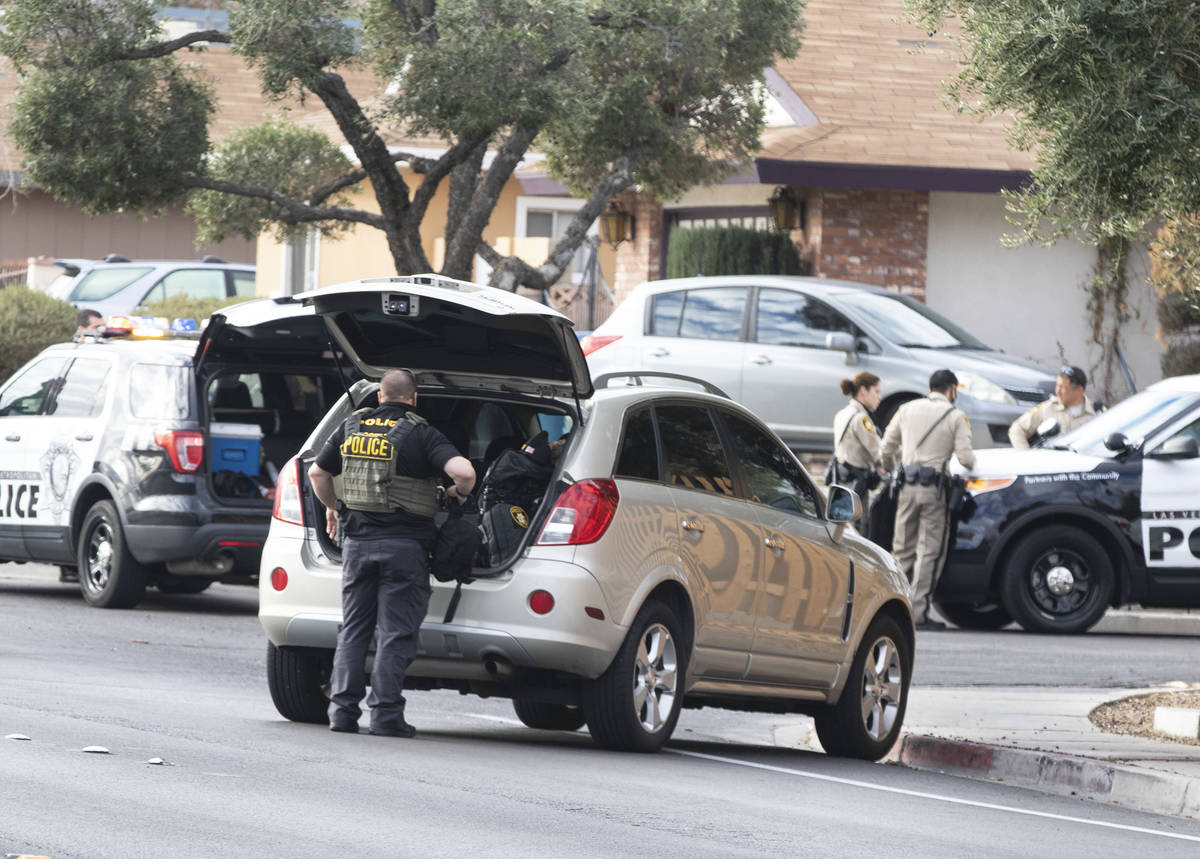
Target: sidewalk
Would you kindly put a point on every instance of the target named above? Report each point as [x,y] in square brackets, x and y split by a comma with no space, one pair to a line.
[1041,738]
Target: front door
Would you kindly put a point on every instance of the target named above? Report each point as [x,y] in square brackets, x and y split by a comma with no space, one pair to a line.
[798,634]
[718,540]
[22,482]
[69,433]
[789,379]
[1171,518]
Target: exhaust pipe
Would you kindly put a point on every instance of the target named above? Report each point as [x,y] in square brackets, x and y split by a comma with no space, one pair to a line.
[221,563]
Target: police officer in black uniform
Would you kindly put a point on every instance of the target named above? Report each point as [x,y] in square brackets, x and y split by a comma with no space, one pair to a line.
[389,459]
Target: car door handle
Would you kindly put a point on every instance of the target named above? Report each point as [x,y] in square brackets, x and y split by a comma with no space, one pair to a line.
[12,437]
[692,525]
[761,360]
[660,353]
[774,543]
[84,436]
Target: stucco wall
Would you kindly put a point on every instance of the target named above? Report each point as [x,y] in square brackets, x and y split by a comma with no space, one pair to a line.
[1028,301]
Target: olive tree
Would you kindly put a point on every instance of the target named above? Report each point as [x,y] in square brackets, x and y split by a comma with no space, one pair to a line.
[664,94]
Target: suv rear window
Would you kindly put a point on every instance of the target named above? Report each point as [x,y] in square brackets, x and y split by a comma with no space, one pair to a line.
[106,282]
[161,391]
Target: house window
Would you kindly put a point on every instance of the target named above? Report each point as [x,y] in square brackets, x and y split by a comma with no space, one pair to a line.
[549,217]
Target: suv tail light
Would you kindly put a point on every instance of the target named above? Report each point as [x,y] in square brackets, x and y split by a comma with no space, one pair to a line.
[185,447]
[581,514]
[592,342]
[289,504]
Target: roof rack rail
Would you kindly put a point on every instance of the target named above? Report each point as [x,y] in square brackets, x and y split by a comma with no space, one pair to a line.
[637,377]
[115,258]
[213,259]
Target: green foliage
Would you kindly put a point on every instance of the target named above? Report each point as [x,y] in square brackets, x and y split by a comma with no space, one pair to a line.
[661,93]
[1107,92]
[182,307]
[29,322]
[1182,358]
[112,138]
[293,161]
[731,250]
[1175,274]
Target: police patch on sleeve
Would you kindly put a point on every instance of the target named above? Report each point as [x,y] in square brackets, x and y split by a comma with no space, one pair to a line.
[867,425]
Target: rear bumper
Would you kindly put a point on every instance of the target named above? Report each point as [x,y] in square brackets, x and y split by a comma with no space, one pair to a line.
[162,542]
[493,626]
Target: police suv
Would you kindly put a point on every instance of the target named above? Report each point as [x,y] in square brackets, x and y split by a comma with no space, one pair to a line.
[148,457]
[1105,515]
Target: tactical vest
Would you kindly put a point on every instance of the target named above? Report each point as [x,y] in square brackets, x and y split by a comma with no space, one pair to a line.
[369,480]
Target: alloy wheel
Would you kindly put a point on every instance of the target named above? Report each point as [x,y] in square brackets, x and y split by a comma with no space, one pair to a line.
[99,557]
[656,675]
[882,688]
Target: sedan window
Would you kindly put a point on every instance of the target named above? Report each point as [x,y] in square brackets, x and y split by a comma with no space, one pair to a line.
[772,477]
[713,314]
[692,452]
[189,283]
[664,321]
[787,318]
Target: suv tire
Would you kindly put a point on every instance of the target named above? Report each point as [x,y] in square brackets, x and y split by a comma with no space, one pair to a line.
[634,705]
[109,575]
[1058,580]
[299,681]
[866,720]
[548,717]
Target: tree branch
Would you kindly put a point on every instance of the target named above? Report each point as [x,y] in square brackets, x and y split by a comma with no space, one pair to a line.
[162,49]
[297,211]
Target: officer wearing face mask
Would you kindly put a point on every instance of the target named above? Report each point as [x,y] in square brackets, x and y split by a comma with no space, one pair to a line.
[921,437]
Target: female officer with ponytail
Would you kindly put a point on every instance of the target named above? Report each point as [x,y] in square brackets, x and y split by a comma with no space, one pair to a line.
[855,440]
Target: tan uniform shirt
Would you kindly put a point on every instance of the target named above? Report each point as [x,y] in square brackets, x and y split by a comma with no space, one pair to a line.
[1024,427]
[855,440]
[912,421]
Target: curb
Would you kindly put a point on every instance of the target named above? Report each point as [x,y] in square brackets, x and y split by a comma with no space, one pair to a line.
[1143,789]
[1148,622]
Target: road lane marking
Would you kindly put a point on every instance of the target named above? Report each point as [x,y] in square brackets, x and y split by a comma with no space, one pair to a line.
[934,796]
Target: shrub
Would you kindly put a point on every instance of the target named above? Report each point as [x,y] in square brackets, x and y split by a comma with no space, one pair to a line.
[29,322]
[698,251]
[1182,359]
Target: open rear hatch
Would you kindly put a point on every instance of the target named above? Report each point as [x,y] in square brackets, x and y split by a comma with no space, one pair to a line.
[266,374]
[454,335]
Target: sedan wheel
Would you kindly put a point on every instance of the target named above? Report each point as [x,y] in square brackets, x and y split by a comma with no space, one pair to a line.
[866,720]
[634,705]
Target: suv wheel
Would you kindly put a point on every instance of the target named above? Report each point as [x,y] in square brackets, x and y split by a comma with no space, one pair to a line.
[548,717]
[1058,580]
[866,720]
[299,681]
[634,705]
[109,575]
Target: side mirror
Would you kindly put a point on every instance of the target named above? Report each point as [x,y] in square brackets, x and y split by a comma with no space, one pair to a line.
[840,341]
[1180,447]
[1117,442]
[844,505]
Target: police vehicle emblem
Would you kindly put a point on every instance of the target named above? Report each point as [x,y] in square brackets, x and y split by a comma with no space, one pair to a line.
[58,463]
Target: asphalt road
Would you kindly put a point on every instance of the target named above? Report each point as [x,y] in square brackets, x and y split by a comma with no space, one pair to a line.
[182,679]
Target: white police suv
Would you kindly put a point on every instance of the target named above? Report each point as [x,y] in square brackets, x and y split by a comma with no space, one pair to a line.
[1105,515]
[146,456]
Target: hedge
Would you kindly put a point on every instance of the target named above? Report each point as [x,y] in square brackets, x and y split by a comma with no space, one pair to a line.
[29,322]
[698,251]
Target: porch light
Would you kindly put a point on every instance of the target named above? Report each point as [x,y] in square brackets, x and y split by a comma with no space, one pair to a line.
[616,224]
[783,207]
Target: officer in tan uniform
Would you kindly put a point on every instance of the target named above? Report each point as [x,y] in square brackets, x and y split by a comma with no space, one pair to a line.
[855,439]
[922,436]
[1069,406]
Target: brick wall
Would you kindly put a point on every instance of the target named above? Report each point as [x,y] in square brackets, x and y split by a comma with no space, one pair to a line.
[870,235]
[638,260]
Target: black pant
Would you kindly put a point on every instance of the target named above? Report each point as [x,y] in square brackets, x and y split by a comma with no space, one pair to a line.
[385,586]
